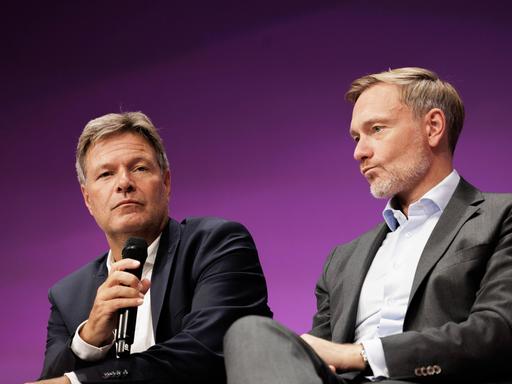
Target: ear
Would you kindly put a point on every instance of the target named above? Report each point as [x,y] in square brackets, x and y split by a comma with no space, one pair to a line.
[87,201]
[435,125]
[167,182]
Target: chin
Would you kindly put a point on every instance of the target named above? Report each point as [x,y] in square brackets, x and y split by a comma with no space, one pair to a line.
[382,189]
[130,227]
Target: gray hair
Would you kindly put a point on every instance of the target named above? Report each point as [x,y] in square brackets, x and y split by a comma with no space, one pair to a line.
[114,123]
[421,90]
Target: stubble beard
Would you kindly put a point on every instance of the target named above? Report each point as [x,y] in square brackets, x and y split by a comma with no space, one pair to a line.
[402,177]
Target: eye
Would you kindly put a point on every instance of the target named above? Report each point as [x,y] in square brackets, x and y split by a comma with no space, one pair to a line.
[102,175]
[141,168]
[377,128]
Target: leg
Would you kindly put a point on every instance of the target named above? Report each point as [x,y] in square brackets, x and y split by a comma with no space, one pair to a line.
[259,350]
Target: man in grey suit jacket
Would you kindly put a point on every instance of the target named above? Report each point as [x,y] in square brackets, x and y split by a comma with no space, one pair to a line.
[200,275]
[425,296]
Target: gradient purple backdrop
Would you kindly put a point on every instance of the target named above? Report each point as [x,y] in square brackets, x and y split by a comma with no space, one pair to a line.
[248,97]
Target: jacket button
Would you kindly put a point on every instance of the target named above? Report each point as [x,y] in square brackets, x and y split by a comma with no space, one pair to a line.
[420,371]
[430,370]
[437,369]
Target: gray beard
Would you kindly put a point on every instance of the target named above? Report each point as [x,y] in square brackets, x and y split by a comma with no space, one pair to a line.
[401,178]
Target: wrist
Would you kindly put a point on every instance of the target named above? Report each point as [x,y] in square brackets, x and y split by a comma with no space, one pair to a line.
[88,335]
[348,357]
[364,357]
[366,369]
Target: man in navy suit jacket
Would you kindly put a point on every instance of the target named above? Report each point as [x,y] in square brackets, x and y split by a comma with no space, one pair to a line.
[200,275]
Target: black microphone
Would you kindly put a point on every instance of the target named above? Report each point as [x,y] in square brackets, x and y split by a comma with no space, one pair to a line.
[137,249]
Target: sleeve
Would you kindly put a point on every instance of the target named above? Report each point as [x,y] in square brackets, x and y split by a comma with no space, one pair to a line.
[481,343]
[322,318]
[86,351]
[226,283]
[72,377]
[59,357]
[376,359]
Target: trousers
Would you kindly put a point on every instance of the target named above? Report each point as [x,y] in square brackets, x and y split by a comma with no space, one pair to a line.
[259,350]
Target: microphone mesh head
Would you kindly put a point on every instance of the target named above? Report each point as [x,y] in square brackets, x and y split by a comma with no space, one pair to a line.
[136,242]
[137,249]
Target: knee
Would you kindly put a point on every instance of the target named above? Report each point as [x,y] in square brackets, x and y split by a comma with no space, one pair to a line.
[247,328]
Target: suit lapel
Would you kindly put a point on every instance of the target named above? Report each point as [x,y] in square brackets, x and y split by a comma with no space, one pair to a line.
[101,276]
[462,207]
[353,278]
[161,270]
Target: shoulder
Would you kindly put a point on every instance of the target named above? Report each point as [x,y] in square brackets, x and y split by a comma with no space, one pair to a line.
[501,200]
[469,194]
[77,280]
[342,253]
[205,227]
[495,213]
[208,241]
[364,238]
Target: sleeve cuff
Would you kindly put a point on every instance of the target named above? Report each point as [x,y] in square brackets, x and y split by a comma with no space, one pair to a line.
[86,351]
[72,377]
[376,359]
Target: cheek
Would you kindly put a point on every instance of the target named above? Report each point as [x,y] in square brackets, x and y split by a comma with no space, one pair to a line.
[98,201]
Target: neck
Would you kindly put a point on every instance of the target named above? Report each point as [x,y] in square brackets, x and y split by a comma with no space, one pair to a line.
[117,241]
[434,176]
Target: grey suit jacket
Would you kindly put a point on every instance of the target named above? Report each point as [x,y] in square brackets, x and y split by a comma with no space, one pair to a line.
[459,316]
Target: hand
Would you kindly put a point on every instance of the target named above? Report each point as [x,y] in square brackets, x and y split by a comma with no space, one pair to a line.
[57,380]
[343,357]
[120,290]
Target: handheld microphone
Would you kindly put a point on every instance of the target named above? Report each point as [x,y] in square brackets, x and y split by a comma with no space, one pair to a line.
[137,249]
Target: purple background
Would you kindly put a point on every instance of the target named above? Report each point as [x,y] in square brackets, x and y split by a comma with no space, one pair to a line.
[248,96]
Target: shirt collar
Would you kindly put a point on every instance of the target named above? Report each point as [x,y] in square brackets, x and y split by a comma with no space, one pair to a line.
[434,200]
[150,260]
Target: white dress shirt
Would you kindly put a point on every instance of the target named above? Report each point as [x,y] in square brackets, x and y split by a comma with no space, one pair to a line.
[385,293]
[144,335]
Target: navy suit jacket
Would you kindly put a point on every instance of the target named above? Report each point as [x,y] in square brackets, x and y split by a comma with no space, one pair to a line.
[458,321]
[206,275]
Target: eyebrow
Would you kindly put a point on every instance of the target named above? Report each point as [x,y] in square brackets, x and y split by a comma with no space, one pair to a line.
[133,161]
[371,122]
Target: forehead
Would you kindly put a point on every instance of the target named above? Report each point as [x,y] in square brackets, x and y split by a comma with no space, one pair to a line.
[119,145]
[380,101]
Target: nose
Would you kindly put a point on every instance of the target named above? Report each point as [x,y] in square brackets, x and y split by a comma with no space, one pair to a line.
[362,150]
[125,183]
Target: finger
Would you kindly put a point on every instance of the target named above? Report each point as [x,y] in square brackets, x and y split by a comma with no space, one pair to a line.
[307,338]
[146,284]
[332,368]
[123,278]
[123,264]
[117,304]
[106,309]
[119,291]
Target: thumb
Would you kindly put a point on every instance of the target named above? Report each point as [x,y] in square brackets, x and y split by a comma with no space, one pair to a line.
[146,284]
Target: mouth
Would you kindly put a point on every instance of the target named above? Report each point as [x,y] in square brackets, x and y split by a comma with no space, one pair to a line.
[365,170]
[126,203]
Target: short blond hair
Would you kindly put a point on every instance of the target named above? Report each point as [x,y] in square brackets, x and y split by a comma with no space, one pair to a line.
[421,90]
[115,123]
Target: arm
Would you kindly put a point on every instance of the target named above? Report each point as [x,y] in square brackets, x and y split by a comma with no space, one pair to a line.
[462,320]
[322,319]
[341,357]
[480,342]
[120,290]
[226,283]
